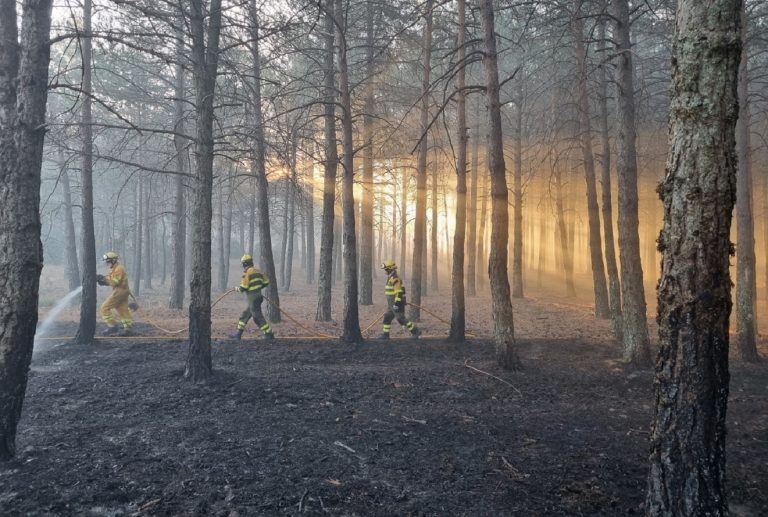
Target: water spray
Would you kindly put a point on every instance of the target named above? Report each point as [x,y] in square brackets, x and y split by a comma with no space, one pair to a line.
[50,318]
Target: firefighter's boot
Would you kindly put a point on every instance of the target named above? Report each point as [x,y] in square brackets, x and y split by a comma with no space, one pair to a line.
[238,334]
[415,333]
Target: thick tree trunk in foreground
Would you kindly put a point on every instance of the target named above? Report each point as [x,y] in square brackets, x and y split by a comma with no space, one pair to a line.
[70,248]
[503,329]
[634,319]
[687,460]
[614,285]
[585,131]
[420,223]
[205,67]
[23,95]
[433,246]
[458,318]
[87,326]
[179,229]
[325,273]
[258,152]
[351,331]
[746,282]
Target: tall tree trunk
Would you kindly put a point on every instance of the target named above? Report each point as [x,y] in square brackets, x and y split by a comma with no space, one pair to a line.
[23,91]
[325,273]
[566,245]
[284,241]
[179,228]
[420,222]
[165,252]
[137,236]
[746,282]
[404,224]
[687,460]
[309,221]
[205,67]
[228,226]
[70,248]
[351,331]
[635,321]
[258,170]
[481,260]
[472,216]
[87,326]
[220,231]
[433,247]
[149,252]
[614,285]
[291,231]
[517,247]
[458,317]
[585,133]
[366,220]
[503,328]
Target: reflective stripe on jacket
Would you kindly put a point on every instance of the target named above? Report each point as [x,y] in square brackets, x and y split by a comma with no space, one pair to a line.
[253,280]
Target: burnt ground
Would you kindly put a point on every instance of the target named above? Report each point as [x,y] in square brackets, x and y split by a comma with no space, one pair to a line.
[384,428]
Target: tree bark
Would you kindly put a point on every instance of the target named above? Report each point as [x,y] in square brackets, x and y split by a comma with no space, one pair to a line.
[746,282]
[517,245]
[481,235]
[472,246]
[634,318]
[137,237]
[70,248]
[179,229]
[351,330]
[258,170]
[205,59]
[87,326]
[309,222]
[23,93]
[325,274]
[420,223]
[294,193]
[149,252]
[458,317]
[687,460]
[404,224]
[503,328]
[433,247]
[366,230]
[614,284]
[585,134]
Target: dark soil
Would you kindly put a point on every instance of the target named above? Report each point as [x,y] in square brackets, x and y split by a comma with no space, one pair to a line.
[384,428]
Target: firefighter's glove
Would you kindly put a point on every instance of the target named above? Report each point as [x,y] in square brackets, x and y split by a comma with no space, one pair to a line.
[241,289]
[399,304]
[101,280]
[133,306]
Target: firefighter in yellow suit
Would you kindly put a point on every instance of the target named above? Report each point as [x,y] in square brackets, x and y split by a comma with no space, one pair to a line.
[395,293]
[117,279]
[251,284]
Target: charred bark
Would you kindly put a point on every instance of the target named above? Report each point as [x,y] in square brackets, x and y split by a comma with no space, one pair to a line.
[687,459]
[503,328]
[458,318]
[325,274]
[23,94]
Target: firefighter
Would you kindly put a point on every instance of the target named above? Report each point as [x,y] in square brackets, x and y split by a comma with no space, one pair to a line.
[117,279]
[251,284]
[395,302]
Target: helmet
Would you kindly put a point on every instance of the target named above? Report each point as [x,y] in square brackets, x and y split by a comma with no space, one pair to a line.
[389,264]
[110,256]
[246,260]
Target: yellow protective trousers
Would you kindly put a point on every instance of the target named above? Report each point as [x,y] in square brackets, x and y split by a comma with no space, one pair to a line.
[118,301]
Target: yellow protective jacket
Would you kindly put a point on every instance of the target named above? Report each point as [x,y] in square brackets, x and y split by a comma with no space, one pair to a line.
[117,278]
[253,280]
[393,289]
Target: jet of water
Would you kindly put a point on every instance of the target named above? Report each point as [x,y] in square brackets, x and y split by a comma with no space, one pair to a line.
[50,318]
